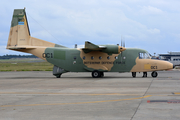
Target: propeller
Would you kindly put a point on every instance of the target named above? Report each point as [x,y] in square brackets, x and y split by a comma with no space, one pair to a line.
[122,42]
[122,48]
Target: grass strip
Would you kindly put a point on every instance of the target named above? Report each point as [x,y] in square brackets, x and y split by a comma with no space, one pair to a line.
[34,66]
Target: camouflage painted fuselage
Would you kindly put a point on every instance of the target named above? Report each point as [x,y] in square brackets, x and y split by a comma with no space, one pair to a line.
[76,60]
[103,58]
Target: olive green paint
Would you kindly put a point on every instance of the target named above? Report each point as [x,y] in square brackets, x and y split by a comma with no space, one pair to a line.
[126,65]
[67,62]
[70,60]
[110,49]
[17,16]
[59,54]
[90,45]
[56,45]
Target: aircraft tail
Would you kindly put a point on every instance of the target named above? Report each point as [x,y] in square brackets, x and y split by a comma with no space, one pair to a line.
[19,31]
[20,39]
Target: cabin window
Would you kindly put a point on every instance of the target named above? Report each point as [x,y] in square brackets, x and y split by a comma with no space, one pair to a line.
[100,57]
[116,57]
[84,58]
[108,57]
[144,56]
[92,57]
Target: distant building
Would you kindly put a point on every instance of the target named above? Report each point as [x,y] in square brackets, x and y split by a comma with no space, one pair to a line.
[173,57]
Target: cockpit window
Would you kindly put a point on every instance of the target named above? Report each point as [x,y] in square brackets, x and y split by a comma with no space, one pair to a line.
[144,56]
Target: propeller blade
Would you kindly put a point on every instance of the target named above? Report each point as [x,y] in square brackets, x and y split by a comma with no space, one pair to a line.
[121,41]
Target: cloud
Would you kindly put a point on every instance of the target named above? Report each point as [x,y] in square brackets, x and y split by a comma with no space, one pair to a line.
[146,10]
[1,34]
[154,31]
[80,46]
[98,21]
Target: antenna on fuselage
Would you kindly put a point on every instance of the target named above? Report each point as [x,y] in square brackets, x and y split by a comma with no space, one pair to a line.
[75,46]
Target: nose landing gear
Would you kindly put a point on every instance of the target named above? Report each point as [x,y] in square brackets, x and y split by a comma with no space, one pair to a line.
[144,74]
[154,74]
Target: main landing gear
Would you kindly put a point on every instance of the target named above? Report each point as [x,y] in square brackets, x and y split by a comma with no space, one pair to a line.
[58,76]
[134,74]
[144,74]
[153,74]
[97,74]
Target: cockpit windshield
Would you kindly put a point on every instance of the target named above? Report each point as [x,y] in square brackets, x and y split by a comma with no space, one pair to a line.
[144,55]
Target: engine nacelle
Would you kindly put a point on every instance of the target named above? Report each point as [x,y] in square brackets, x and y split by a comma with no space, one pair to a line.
[113,49]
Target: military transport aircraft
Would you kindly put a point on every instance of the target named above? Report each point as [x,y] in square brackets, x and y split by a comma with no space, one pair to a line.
[92,58]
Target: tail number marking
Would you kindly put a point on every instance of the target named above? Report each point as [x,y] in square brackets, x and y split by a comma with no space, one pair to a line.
[47,55]
[153,67]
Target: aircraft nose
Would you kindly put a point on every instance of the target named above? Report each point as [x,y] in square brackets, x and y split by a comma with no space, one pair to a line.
[169,66]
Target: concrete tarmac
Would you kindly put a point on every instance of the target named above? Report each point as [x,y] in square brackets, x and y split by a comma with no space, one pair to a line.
[78,96]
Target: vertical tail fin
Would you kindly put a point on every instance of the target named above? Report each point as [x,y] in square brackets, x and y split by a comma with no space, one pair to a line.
[19,33]
[20,39]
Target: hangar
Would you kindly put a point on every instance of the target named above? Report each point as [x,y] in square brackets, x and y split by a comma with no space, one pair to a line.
[173,57]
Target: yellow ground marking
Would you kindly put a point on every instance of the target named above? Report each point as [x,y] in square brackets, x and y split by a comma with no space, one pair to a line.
[44,93]
[76,102]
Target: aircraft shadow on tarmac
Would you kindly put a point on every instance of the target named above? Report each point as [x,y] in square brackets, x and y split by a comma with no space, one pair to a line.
[89,77]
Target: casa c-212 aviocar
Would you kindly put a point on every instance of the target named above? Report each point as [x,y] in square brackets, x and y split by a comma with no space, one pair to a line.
[92,58]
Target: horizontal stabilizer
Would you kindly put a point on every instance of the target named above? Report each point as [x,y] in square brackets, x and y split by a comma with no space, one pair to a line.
[22,47]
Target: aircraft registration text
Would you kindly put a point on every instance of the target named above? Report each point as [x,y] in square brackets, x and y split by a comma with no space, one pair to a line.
[47,55]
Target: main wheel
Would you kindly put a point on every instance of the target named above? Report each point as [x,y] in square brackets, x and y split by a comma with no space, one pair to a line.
[101,74]
[96,74]
[58,76]
[154,74]
[134,74]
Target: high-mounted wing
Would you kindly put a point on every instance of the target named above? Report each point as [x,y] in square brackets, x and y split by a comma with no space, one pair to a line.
[110,49]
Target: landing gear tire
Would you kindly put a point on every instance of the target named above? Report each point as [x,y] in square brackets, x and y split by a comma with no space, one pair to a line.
[134,74]
[58,76]
[144,74]
[101,74]
[154,74]
[96,74]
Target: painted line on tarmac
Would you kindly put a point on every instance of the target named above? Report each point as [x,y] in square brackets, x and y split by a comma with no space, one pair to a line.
[165,101]
[76,102]
[44,93]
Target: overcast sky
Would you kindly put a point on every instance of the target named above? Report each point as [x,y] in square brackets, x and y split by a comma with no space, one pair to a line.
[153,25]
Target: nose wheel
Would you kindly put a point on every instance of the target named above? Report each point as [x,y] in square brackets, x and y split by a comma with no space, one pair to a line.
[154,74]
[97,74]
